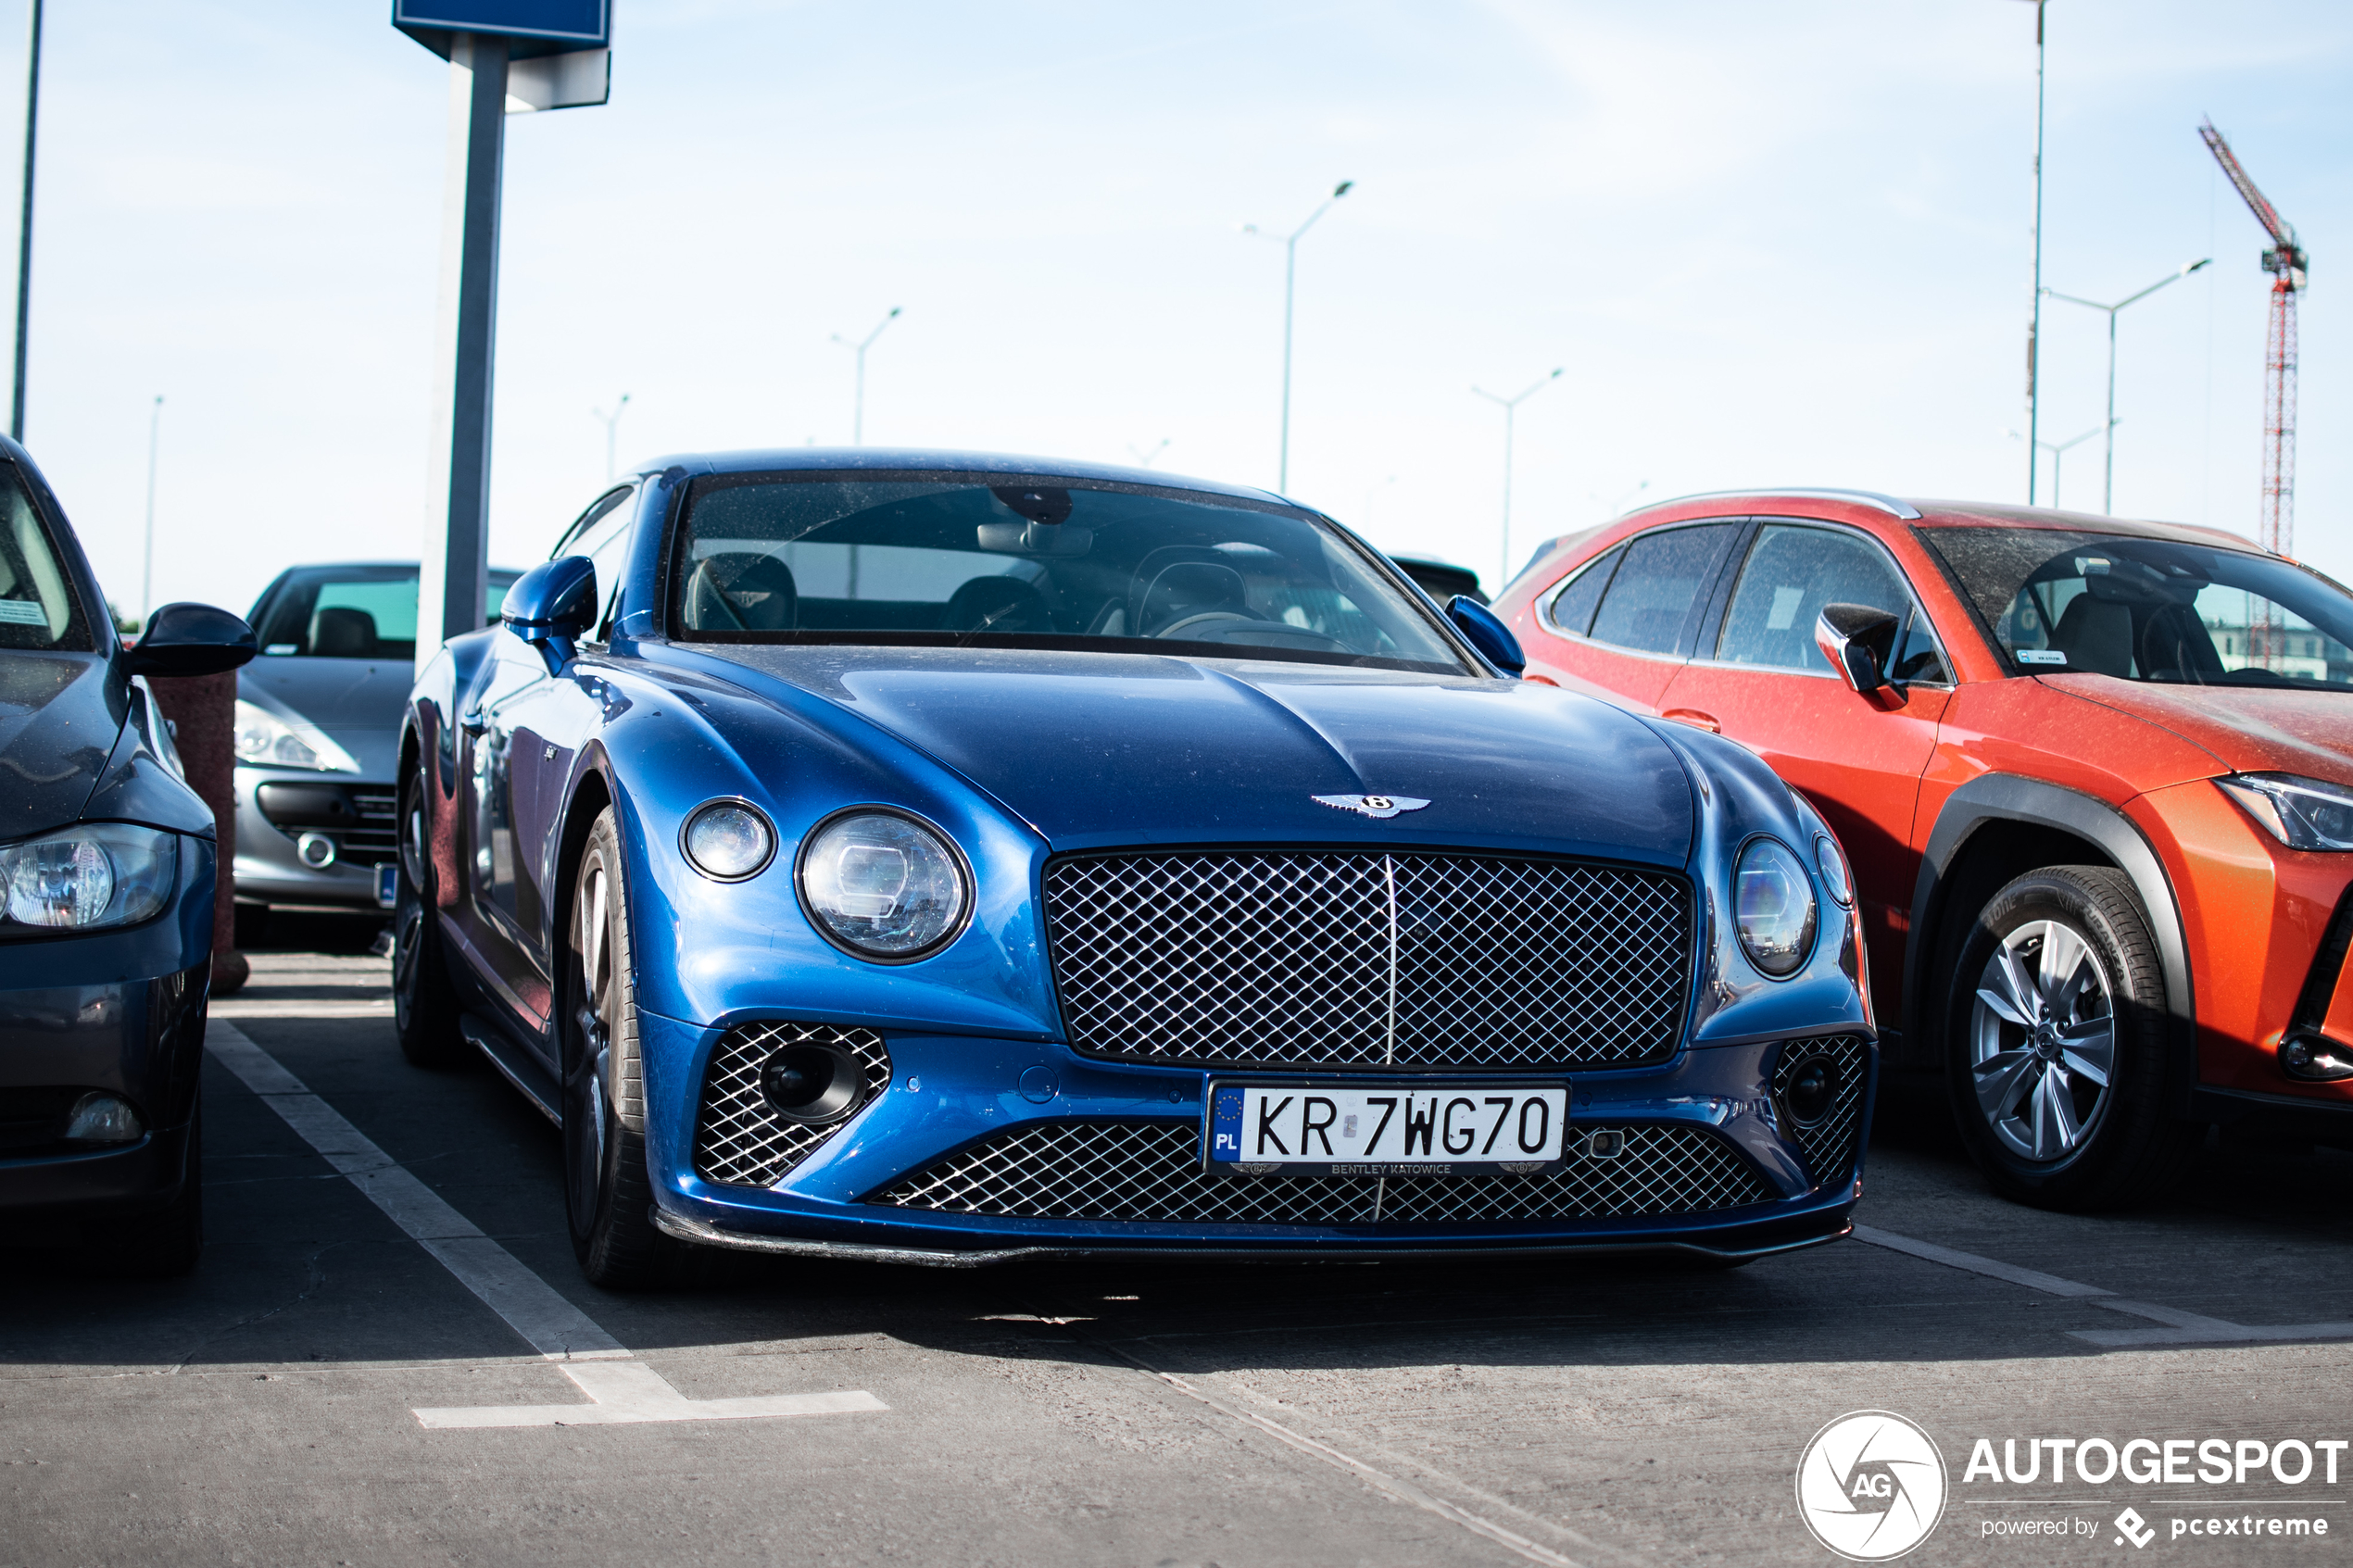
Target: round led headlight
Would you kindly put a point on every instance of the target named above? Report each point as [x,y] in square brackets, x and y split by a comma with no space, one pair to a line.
[1832,865]
[883,885]
[728,840]
[1773,908]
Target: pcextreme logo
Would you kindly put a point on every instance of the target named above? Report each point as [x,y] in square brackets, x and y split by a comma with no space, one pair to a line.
[1870,1486]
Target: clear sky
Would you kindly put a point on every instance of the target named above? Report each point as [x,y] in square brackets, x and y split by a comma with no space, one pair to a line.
[1769,240]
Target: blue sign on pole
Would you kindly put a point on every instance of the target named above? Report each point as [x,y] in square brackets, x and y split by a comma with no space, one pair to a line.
[531,27]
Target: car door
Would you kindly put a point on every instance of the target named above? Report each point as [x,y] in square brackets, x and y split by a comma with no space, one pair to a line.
[1621,625]
[1765,684]
[525,725]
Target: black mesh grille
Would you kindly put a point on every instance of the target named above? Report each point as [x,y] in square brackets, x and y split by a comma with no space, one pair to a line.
[1344,960]
[1151,1170]
[1829,1143]
[739,1139]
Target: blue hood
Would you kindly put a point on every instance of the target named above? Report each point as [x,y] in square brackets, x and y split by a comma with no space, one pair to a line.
[1096,749]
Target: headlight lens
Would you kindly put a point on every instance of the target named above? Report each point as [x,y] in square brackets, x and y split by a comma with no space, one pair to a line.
[2301,813]
[1773,908]
[728,841]
[883,885]
[1832,865]
[107,873]
[266,740]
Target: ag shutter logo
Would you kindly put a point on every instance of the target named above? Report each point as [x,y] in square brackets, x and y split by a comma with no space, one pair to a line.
[1870,1486]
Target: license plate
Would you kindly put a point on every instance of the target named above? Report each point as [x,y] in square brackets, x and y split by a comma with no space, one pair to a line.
[1386,1129]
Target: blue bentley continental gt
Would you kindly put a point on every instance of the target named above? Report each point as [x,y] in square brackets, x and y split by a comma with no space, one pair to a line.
[943,857]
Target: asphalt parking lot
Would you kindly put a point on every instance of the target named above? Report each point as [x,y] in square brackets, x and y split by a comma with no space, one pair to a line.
[266,1408]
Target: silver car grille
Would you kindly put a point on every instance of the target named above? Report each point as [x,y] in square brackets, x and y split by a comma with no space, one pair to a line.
[741,1142]
[1339,959]
[1829,1143]
[1150,1171]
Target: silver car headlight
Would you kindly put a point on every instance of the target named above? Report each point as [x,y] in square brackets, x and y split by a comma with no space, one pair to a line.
[1773,908]
[2301,813]
[264,739]
[106,874]
[728,840]
[884,886]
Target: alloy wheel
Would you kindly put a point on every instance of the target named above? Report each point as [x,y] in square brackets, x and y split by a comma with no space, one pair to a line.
[2042,1041]
[590,1069]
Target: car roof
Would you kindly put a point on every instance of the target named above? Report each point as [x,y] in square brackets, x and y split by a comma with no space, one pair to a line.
[1857,504]
[1981,514]
[922,459]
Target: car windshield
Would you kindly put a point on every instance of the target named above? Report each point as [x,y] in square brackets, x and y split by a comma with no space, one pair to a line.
[955,560]
[2152,610]
[38,606]
[351,611]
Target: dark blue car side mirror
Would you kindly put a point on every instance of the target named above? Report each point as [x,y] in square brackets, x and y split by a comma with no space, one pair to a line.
[553,606]
[1487,634]
[190,639]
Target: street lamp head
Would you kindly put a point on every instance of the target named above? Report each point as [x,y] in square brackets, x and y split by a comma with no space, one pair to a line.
[1556,371]
[1343,189]
[2190,267]
[894,310]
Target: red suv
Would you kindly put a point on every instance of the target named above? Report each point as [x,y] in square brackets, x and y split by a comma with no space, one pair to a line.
[2095,779]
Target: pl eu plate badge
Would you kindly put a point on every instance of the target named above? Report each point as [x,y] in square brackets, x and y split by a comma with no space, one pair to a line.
[1385,1128]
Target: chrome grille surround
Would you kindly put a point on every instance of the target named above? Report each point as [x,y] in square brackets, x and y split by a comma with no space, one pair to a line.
[1829,1143]
[1334,959]
[738,1140]
[1150,1171]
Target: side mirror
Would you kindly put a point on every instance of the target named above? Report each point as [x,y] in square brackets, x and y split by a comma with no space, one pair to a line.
[553,606]
[1860,644]
[1487,634]
[188,639]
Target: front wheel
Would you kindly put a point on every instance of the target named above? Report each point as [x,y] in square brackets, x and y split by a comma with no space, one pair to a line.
[608,1190]
[2055,1044]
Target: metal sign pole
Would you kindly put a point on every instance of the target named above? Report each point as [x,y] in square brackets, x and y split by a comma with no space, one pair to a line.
[455,577]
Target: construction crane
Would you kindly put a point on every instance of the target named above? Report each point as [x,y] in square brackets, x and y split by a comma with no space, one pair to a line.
[2287,263]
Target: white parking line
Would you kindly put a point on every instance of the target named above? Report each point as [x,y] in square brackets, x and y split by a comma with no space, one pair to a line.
[2182,1327]
[621,1389]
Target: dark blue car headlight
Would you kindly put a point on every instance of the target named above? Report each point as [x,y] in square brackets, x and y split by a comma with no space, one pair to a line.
[1773,908]
[884,886]
[728,841]
[105,873]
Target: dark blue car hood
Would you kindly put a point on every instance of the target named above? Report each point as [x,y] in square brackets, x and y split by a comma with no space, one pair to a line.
[59,715]
[1096,749]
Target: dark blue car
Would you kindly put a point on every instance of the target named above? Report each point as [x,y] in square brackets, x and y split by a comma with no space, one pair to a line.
[949,858]
[106,874]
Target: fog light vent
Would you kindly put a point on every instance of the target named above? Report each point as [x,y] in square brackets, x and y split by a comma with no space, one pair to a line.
[98,1117]
[315,850]
[1606,1144]
[2314,1060]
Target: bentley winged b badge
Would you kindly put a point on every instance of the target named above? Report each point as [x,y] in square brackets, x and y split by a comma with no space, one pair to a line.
[1380,806]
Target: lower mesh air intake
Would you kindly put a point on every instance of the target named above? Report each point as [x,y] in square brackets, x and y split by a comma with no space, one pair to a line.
[1830,1142]
[1151,1170]
[739,1139]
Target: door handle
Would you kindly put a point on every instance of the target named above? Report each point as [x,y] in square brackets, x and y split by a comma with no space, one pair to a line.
[473,722]
[1695,719]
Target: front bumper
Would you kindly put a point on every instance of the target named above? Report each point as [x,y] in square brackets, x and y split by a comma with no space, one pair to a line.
[948,1097]
[269,866]
[117,1011]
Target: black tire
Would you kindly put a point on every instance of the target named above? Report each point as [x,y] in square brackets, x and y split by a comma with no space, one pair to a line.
[609,1188]
[167,1243]
[424,1004]
[2028,1037]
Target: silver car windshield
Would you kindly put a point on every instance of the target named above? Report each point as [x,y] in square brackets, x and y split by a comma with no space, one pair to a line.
[948,560]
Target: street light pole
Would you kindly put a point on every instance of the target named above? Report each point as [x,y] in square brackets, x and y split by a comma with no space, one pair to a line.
[1290,266]
[2035,326]
[2108,488]
[858,408]
[1511,407]
[24,226]
[147,557]
[2060,450]
[613,431]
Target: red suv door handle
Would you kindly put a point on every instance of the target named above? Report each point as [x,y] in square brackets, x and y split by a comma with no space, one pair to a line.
[1695,719]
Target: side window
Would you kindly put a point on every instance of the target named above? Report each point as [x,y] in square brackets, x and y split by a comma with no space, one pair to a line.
[602,534]
[1791,574]
[1661,576]
[1921,657]
[1573,603]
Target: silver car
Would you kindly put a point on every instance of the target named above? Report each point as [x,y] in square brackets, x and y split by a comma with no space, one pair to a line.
[318,728]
